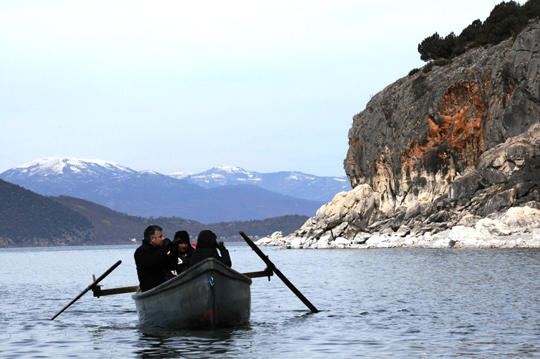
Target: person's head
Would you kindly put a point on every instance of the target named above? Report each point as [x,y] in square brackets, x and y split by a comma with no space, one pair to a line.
[182,238]
[206,239]
[153,235]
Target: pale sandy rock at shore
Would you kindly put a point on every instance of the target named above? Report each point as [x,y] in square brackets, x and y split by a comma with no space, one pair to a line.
[452,239]
[276,239]
[518,227]
[493,227]
[341,242]
[525,218]
[296,243]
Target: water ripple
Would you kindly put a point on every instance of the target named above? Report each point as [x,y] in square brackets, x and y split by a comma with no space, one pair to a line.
[399,303]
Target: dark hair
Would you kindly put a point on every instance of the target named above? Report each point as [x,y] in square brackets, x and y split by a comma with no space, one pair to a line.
[207,239]
[182,237]
[151,231]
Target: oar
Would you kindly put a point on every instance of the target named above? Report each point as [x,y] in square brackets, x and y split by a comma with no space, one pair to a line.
[89,287]
[272,267]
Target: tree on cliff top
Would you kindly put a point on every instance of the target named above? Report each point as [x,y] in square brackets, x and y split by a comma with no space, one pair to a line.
[505,20]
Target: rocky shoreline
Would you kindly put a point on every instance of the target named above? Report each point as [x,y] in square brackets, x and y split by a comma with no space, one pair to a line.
[519,227]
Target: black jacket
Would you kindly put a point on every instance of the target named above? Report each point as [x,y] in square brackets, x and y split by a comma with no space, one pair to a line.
[153,263]
[207,248]
[184,259]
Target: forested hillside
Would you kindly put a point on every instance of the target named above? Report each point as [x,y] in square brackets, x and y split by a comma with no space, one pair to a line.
[115,227]
[28,219]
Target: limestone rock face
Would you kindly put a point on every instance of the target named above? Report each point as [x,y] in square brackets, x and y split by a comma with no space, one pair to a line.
[425,130]
[443,158]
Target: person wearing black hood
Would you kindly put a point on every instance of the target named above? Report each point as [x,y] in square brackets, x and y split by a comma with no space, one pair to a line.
[207,247]
[185,250]
[153,262]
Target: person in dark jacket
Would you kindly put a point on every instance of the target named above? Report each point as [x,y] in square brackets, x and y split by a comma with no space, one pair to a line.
[185,250]
[153,260]
[207,247]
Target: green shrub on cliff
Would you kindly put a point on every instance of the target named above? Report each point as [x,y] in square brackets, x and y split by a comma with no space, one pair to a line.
[436,47]
[505,20]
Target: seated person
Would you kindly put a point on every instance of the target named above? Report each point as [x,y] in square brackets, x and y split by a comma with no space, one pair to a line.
[207,247]
[185,250]
[153,263]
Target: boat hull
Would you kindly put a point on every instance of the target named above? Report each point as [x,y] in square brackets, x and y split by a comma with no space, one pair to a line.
[208,295]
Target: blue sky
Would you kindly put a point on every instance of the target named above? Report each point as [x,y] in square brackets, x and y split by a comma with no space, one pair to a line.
[183,86]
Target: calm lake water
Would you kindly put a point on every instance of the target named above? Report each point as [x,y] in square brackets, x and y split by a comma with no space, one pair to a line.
[374,303]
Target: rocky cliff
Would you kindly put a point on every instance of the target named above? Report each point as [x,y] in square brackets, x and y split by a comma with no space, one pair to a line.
[446,146]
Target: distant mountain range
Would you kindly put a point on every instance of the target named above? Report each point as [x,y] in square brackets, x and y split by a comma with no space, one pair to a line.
[294,184]
[221,194]
[30,219]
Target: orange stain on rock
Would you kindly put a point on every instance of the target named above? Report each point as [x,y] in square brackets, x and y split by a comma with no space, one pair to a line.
[457,129]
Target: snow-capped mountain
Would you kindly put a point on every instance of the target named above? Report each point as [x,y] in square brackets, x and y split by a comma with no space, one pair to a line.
[53,176]
[220,176]
[296,184]
[148,193]
[70,166]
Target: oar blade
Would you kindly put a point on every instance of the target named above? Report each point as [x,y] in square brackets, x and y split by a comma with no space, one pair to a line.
[113,267]
[272,267]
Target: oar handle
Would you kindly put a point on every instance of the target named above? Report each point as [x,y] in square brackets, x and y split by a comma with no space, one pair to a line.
[272,267]
[92,285]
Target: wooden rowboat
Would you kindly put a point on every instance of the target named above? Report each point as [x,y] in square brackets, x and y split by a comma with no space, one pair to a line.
[208,295]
